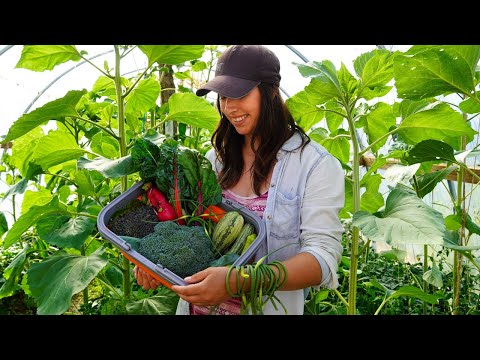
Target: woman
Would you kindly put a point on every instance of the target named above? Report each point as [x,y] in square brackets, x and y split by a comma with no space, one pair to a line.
[265,162]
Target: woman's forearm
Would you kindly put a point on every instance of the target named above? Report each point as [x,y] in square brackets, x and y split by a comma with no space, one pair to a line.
[302,271]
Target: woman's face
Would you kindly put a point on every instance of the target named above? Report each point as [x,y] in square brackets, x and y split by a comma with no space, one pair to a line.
[243,113]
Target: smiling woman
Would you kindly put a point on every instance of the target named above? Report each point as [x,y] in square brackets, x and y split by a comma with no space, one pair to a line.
[262,158]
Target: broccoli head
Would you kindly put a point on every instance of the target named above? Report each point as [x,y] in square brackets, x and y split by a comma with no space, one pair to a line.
[182,249]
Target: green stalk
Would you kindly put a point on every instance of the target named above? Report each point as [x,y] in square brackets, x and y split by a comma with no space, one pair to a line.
[425,269]
[425,252]
[85,291]
[352,286]
[457,268]
[82,252]
[123,152]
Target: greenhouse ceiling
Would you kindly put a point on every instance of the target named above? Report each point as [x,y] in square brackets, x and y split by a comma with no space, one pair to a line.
[23,90]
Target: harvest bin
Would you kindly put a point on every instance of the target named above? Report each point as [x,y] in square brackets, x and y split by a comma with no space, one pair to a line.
[162,274]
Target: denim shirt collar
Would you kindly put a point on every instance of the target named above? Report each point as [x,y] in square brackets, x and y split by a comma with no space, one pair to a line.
[291,144]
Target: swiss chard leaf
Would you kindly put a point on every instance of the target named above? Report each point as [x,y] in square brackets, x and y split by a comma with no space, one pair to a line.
[182,174]
[203,182]
[145,154]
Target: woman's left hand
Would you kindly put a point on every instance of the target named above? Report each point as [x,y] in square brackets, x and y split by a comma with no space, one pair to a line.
[206,288]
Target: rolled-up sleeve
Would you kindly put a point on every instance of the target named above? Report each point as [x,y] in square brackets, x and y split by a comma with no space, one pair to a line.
[321,228]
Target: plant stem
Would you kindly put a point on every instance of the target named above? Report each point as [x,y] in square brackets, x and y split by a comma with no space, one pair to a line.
[425,269]
[342,299]
[123,152]
[352,288]
[377,141]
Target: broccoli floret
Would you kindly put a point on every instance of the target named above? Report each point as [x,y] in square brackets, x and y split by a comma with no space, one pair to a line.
[182,249]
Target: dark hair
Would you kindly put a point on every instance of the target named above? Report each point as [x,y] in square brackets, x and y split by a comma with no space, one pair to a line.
[275,126]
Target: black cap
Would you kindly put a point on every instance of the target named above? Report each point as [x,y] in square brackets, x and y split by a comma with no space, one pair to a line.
[242,67]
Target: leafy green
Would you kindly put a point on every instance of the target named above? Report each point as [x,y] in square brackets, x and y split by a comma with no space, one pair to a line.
[182,174]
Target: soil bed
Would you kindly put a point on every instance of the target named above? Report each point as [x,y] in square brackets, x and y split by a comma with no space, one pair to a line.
[137,221]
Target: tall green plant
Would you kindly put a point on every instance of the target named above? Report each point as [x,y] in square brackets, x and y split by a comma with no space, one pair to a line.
[85,162]
[339,97]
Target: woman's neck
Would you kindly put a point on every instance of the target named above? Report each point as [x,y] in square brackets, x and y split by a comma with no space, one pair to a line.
[247,146]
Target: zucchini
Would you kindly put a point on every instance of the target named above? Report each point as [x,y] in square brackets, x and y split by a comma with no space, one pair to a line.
[240,242]
[227,230]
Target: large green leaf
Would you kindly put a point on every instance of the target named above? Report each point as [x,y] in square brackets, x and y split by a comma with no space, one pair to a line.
[53,110]
[155,305]
[375,68]
[438,123]
[3,224]
[433,276]
[104,86]
[65,231]
[143,96]
[347,209]
[471,54]
[455,222]
[408,107]
[347,81]
[22,149]
[430,150]
[471,105]
[192,110]
[406,220]
[427,182]
[56,148]
[105,145]
[337,146]
[55,280]
[452,241]
[17,188]
[322,70]
[85,183]
[377,123]
[30,218]
[171,54]
[39,197]
[325,80]
[431,71]
[109,168]
[412,291]
[46,57]
[303,107]
[13,272]
[378,91]
[335,116]
[371,200]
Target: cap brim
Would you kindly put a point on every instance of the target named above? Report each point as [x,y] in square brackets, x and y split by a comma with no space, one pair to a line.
[228,86]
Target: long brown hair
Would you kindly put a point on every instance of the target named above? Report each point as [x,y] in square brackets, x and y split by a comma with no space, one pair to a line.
[275,126]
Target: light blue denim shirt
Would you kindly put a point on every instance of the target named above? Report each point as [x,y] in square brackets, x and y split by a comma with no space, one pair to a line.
[305,197]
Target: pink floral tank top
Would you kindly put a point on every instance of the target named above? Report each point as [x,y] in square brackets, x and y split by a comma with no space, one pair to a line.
[232,307]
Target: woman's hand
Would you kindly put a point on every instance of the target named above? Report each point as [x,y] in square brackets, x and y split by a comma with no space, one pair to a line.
[144,279]
[206,288]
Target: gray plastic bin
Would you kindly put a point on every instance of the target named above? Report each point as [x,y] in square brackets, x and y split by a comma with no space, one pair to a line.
[162,274]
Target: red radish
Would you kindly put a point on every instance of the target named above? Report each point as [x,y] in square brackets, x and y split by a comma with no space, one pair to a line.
[163,208]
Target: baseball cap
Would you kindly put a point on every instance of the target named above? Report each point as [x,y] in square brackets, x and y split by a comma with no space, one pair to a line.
[240,68]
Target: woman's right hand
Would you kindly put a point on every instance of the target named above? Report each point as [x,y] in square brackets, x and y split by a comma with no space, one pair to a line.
[144,279]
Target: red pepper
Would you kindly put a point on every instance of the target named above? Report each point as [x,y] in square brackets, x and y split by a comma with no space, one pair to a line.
[214,213]
[160,203]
